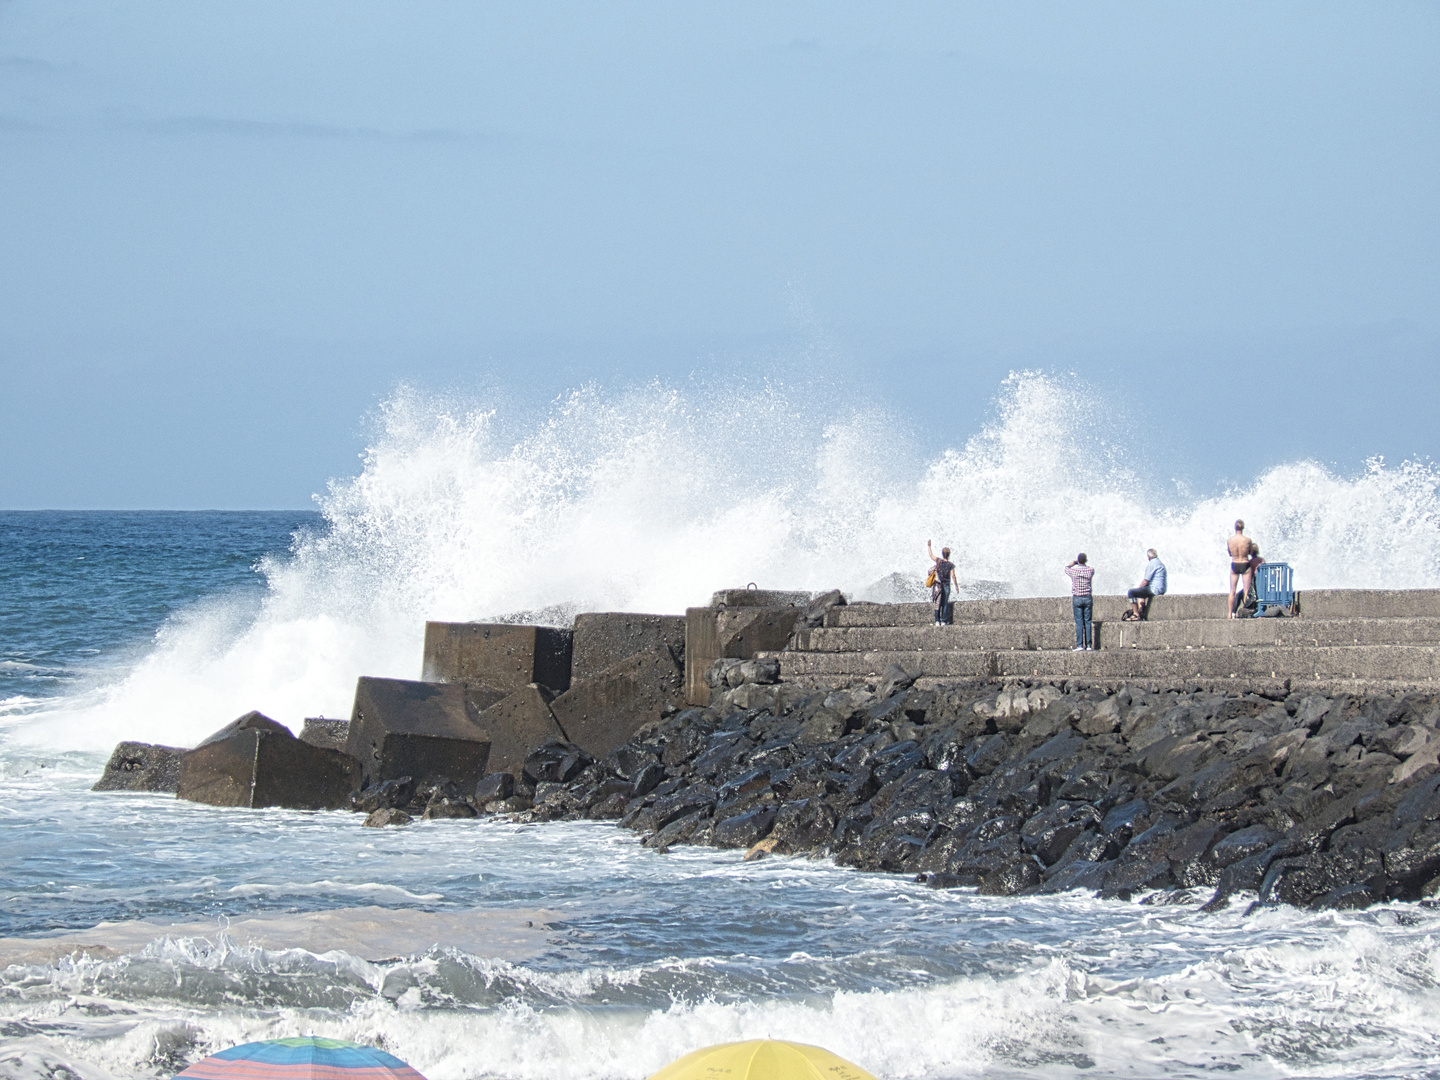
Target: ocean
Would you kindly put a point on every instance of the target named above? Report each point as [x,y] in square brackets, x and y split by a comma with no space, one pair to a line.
[139,933]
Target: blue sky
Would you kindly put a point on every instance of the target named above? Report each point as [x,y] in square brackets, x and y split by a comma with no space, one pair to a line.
[228,231]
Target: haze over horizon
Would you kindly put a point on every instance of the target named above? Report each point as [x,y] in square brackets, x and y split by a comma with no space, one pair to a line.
[228,233]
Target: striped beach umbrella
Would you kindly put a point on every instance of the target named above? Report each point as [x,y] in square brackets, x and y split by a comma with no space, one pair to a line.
[304,1058]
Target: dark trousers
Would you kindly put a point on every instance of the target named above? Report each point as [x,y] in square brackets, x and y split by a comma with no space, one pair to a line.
[944,612]
[1084,629]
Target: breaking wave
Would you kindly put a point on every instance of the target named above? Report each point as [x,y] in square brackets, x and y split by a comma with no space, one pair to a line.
[650,499]
[1176,994]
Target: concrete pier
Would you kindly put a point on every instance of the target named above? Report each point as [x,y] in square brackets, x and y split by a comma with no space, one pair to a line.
[1343,640]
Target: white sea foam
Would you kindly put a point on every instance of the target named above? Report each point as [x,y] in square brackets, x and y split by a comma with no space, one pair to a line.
[648,500]
[1359,999]
[370,890]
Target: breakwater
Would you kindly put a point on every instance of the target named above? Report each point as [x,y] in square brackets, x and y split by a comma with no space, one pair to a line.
[1189,758]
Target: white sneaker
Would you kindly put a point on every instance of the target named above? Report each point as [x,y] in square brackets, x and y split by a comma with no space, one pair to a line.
[1078,648]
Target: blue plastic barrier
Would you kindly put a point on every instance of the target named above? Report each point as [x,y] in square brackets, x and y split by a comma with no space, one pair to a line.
[1274,587]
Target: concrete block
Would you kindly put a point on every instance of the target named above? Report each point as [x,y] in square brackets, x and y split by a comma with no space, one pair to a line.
[603,639]
[481,697]
[423,730]
[331,734]
[138,766]
[255,762]
[497,655]
[600,714]
[758,598]
[746,631]
[737,633]
[702,649]
[517,724]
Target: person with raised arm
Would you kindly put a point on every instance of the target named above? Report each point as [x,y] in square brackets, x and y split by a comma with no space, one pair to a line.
[944,571]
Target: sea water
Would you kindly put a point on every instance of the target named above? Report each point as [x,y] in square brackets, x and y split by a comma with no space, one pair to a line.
[142,932]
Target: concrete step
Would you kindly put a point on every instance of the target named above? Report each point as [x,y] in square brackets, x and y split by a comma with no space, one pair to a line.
[1273,687]
[1407,664]
[1316,603]
[1166,634]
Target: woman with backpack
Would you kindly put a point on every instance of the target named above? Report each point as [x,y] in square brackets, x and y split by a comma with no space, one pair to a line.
[940,578]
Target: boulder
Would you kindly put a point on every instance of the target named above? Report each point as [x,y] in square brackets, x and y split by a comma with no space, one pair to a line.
[448,800]
[418,729]
[493,787]
[601,713]
[386,795]
[1014,876]
[387,816]
[554,763]
[136,766]
[500,656]
[604,639]
[517,724]
[255,762]
[331,734]
[744,830]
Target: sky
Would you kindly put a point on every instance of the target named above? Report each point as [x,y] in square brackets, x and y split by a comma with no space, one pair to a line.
[229,231]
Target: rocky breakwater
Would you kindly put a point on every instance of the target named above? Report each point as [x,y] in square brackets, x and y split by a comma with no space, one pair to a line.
[1310,800]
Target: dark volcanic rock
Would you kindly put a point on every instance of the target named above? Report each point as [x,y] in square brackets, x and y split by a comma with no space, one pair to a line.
[743,830]
[1015,876]
[387,816]
[500,785]
[1035,789]
[387,795]
[135,766]
[555,763]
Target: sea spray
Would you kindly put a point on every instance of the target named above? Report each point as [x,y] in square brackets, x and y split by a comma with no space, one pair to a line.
[649,499]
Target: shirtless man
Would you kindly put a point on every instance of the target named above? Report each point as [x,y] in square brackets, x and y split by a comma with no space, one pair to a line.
[1241,566]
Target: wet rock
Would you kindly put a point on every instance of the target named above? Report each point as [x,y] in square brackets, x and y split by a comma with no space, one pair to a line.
[1119,824]
[609,808]
[1242,844]
[448,800]
[987,755]
[676,832]
[493,786]
[555,763]
[743,830]
[387,795]
[1015,876]
[894,679]
[387,815]
[1248,873]
[135,766]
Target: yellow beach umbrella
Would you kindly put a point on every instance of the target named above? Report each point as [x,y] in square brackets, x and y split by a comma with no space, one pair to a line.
[761,1059]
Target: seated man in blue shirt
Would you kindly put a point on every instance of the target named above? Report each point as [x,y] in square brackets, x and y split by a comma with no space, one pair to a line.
[1152,584]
